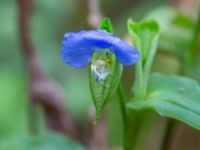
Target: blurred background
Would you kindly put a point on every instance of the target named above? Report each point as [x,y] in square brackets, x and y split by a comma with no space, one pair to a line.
[47,23]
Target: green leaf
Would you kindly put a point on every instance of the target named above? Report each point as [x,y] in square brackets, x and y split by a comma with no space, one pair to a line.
[105,74]
[172,96]
[145,39]
[48,141]
[106,25]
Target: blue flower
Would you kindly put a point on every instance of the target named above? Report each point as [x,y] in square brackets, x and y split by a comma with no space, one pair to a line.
[78,47]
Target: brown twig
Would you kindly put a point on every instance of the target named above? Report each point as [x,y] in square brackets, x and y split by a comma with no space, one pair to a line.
[42,91]
[97,132]
[94,13]
[168,135]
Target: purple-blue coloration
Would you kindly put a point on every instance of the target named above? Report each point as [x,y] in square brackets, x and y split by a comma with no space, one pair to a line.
[77,48]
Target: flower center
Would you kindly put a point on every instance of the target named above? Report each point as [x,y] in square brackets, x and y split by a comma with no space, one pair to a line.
[102,64]
[100,69]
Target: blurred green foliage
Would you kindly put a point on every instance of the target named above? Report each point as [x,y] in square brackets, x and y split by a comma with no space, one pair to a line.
[48,141]
[13,104]
[51,19]
[176,29]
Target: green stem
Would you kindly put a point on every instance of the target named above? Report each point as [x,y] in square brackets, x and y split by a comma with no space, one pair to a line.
[169,133]
[132,132]
[138,88]
[134,119]
[121,99]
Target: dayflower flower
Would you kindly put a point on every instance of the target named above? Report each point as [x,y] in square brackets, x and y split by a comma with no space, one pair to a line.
[78,48]
[107,54]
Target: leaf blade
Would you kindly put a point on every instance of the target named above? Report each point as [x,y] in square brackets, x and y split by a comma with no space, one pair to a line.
[173,96]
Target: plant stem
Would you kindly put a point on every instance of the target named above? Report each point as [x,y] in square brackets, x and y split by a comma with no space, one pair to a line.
[132,131]
[138,88]
[130,123]
[168,135]
[121,99]
[123,109]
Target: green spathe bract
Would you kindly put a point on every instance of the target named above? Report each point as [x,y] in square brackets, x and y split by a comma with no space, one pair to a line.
[105,73]
[145,38]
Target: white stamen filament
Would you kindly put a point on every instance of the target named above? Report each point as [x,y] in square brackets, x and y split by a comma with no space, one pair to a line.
[100,70]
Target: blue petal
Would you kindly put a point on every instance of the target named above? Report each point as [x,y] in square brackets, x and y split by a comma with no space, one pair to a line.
[126,54]
[74,51]
[77,48]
